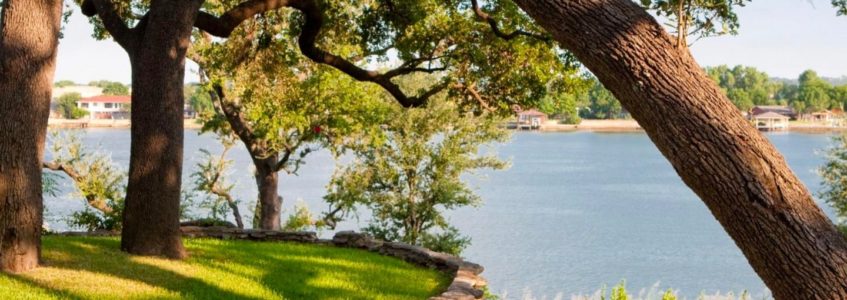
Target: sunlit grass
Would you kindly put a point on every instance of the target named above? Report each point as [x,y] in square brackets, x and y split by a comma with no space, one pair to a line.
[94,268]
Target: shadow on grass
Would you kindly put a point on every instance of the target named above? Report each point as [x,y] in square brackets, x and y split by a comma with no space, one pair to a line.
[321,272]
[245,270]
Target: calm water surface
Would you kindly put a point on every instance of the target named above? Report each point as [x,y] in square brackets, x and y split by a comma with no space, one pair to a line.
[575,211]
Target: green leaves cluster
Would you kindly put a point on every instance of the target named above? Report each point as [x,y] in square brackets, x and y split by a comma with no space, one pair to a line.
[97,179]
[745,86]
[67,106]
[834,177]
[408,181]
[697,18]
[111,87]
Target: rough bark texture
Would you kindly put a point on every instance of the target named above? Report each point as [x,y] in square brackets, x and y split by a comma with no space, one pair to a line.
[29,33]
[151,216]
[267,179]
[740,176]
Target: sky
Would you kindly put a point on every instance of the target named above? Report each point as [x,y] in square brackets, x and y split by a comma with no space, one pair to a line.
[780,37]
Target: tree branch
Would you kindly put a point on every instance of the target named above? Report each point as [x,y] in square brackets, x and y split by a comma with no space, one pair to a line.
[224,25]
[485,17]
[93,201]
[113,22]
[237,122]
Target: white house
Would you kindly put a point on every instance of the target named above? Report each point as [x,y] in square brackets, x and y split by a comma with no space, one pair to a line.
[106,106]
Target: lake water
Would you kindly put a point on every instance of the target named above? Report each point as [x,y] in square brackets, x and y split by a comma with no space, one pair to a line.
[575,211]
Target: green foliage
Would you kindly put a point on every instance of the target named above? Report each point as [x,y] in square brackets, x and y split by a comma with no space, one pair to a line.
[411,178]
[302,219]
[92,220]
[565,95]
[813,92]
[96,268]
[834,177]
[211,185]
[97,180]
[50,183]
[198,99]
[745,86]
[68,108]
[698,18]
[64,83]
[602,104]
[841,5]
[111,87]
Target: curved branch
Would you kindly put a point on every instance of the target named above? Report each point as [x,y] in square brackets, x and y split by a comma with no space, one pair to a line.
[93,201]
[237,122]
[224,25]
[113,22]
[496,28]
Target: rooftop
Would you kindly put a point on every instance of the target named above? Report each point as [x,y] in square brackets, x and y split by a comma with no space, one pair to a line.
[107,98]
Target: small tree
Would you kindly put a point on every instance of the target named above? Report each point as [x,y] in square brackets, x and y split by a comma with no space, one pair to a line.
[68,107]
[411,178]
[210,179]
[834,178]
[95,177]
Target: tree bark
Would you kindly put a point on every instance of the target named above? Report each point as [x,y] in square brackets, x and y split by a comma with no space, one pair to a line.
[739,175]
[270,203]
[151,216]
[29,34]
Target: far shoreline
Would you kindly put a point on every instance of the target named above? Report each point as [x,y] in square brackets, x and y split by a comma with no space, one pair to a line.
[606,126]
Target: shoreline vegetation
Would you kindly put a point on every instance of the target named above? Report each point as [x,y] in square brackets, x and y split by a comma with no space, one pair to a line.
[612,125]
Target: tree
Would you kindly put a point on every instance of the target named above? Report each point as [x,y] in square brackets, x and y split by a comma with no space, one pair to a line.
[601,103]
[834,178]
[198,99]
[745,86]
[251,64]
[98,181]
[210,179]
[68,107]
[698,18]
[158,42]
[415,174]
[111,87]
[27,64]
[738,174]
[64,83]
[565,96]
[813,92]
[156,47]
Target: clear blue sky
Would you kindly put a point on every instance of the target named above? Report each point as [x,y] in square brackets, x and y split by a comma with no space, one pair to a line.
[780,37]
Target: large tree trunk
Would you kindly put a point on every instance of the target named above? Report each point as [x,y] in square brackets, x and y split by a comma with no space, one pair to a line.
[739,175]
[29,33]
[151,216]
[270,203]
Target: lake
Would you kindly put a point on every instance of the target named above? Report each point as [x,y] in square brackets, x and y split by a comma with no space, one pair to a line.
[575,211]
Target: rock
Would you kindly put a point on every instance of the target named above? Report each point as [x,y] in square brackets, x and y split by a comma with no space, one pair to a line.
[356,240]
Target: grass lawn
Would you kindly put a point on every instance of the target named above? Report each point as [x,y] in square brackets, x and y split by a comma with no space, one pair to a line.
[94,268]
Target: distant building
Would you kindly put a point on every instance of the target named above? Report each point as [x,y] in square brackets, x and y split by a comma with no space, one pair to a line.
[770,121]
[106,107]
[84,91]
[531,119]
[778,109]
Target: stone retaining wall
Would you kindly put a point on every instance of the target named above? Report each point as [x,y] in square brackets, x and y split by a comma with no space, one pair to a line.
[467,283]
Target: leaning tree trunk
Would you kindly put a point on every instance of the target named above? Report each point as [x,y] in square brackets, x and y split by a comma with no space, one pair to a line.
[151,216]
[29,33]
[739,175]
[270,203]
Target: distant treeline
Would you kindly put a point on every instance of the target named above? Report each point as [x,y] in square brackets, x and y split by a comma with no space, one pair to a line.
[747,87]
[586,98]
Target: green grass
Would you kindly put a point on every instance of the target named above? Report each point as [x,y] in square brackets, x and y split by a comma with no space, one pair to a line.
[94,268]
